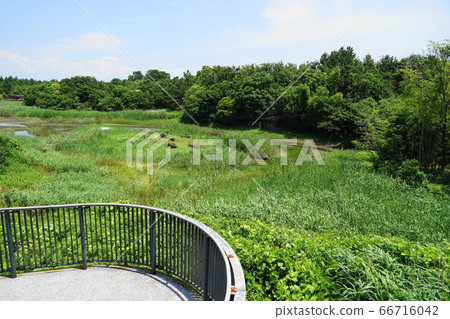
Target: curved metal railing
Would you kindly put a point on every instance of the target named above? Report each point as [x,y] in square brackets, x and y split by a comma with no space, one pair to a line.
[53,236]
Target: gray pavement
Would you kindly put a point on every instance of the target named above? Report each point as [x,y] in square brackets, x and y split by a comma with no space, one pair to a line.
[97,283]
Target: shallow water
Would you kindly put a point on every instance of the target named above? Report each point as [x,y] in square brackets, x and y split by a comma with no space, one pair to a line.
[11,124]
[23,133]
[45,128]
[32,129]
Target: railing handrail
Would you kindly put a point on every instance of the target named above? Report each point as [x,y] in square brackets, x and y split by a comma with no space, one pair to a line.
[234,272]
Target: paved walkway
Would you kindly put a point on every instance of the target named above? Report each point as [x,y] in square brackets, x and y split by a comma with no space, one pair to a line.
[96,283]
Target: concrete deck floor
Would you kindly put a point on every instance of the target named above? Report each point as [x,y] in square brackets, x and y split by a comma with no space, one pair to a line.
[97,283]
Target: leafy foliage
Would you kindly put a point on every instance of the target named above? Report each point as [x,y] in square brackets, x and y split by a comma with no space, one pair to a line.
[8,149]
[283,264]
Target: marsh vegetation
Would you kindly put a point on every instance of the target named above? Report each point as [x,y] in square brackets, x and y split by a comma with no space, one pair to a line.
[340,231]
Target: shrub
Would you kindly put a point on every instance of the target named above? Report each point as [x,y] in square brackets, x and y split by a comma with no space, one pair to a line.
[410,172]
[7,150]
[281,263]
[407,171]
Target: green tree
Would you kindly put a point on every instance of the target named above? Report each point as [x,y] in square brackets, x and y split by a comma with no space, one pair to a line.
[136,76]
[201,103]
[440,51]
[296,105]
[425,96]
[161,99]
[157,75]
[252,96]
[207,76]
[226,111]
[109,103]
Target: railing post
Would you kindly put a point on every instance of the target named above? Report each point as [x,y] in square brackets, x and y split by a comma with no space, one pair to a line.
[152,241]
[10,245]
[83,237]
[206,240]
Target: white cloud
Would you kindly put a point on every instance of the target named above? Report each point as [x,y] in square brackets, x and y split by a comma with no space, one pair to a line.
[292,21]
[286,11]
[297,26]
[62,62]
[105,68]
[13,57]
[90,42]
[16,58]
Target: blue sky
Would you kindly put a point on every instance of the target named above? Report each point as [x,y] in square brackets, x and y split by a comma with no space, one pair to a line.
[56,39]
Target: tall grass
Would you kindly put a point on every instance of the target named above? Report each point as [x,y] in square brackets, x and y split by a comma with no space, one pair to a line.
[310,232]
[346,195]
[8,108]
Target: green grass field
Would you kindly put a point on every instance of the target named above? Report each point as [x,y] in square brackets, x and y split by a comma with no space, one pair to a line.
[336,232]
[9,108]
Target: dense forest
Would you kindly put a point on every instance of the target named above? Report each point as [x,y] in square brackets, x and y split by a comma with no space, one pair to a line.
[398,108]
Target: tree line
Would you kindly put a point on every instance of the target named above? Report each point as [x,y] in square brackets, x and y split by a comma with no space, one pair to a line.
[398,108]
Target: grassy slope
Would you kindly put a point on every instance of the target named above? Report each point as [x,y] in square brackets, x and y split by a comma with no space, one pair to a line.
[338,231]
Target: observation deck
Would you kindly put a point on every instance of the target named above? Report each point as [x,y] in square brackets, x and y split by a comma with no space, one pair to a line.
[113,252]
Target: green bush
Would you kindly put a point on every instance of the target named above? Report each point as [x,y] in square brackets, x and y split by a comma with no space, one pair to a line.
[7,150]
[410,172]
[407,171]
[281,263]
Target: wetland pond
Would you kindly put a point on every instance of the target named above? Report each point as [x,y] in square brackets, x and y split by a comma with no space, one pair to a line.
[35,127]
